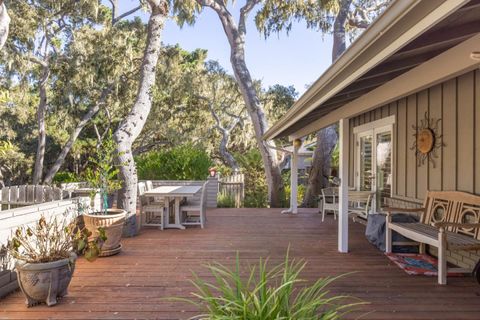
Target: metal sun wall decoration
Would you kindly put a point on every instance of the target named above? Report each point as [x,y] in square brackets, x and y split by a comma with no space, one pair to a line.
[427,140]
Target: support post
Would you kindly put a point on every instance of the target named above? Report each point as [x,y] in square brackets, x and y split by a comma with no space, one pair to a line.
[297,143]
[343,189]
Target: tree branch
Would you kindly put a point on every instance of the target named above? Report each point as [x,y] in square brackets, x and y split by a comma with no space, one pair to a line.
[125,14]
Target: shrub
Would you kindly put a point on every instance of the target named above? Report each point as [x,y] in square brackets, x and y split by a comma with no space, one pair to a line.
[300,193]
[186,162]
[225,200]
[65,177]
[264,294]
[256,189]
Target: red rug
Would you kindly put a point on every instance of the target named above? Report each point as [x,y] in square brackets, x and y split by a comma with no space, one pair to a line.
[418,264]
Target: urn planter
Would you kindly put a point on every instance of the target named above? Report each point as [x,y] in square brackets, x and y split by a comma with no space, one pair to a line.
[112,223]
[45,282]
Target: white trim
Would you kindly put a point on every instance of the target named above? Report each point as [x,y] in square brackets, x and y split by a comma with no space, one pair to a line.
[446,65]
[414,17]
[374,124]
[344,147]
[373,131]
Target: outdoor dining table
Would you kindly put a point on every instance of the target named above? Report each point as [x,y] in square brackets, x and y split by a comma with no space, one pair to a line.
[177,193]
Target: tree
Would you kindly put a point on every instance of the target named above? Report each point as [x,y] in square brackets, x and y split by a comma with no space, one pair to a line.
[39,33]
[4,24]
[236,35]
[131,126]
[328,16]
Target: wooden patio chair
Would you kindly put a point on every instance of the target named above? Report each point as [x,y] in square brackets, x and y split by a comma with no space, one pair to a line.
[194,211]
[151,210]
[149,185]
[359,205]
[330,201]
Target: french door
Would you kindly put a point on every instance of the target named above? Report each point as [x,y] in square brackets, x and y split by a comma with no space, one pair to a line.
[374,163]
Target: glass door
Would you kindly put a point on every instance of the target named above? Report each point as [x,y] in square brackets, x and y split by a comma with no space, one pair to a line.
[383,170]
[374,169]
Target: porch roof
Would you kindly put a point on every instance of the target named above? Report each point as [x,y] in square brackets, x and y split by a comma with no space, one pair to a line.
[408,34]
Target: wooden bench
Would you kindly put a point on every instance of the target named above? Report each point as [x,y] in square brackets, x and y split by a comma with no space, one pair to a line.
[448,220]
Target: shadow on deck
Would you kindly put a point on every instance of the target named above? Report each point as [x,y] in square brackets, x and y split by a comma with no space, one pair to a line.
[158,264]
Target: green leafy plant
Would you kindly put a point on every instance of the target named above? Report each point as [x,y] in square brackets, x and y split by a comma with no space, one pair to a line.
[53,240]
[268,294]
[185,162]
[256,190]
[225,200]
[65,177]
[103,175]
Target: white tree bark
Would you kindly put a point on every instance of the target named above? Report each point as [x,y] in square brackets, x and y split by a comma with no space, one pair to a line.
[4,24]
[236,38]
[130,128]
[73,137]
[42,135]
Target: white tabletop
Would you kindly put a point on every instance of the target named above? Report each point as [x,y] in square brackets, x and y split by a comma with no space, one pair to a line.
[174,191]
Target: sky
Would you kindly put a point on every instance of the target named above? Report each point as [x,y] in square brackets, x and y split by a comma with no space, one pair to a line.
[297,59]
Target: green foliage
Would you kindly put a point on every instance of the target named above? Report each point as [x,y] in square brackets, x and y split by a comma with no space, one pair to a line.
[300,193]
[15,167]
[225,200]
[185,162]
[65,177]
[103,175]
[256,189]
[266,293]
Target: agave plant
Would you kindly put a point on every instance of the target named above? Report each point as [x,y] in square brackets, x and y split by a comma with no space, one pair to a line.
[267,294]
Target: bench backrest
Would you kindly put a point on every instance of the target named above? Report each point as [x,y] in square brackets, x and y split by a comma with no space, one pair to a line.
[453,206]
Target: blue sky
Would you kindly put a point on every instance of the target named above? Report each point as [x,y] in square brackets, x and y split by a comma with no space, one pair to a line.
[297,59]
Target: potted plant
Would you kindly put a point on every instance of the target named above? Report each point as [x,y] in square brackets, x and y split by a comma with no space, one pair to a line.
[45,255]
[102,179]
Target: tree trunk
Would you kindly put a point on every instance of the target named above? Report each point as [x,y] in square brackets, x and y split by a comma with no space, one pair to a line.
[73,137]
[320,170]
[236,39]
[226,155]
[326,140]
[42,136]
[4,24]
[129,129]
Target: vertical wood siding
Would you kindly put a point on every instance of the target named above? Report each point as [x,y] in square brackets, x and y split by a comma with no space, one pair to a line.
[457,103]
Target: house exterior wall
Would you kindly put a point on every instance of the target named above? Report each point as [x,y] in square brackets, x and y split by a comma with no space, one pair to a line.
[457,103]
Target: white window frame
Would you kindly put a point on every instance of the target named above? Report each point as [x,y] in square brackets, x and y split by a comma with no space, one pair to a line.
[373,128]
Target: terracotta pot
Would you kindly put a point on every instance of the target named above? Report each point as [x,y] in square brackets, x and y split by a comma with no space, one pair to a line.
[113,223]
[45,282]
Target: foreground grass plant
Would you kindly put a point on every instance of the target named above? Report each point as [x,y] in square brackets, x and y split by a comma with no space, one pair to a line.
[276,293]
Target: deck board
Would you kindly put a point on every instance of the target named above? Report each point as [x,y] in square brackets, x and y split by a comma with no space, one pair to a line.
[157,264]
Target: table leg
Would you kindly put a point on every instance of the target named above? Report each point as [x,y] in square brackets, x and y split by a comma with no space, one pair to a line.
[177,213]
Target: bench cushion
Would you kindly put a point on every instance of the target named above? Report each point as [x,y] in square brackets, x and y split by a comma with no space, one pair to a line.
[429,234]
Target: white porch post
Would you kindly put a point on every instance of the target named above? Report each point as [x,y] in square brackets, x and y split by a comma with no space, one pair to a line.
[297,143]
[343,190]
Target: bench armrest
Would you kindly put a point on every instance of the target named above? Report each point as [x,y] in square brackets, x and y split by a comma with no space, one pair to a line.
[455,224]
[391,211]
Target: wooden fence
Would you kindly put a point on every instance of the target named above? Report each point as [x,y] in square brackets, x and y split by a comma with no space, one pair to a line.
[233,186]
[25,195]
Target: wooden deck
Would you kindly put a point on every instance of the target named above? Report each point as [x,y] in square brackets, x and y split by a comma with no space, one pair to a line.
[157,264]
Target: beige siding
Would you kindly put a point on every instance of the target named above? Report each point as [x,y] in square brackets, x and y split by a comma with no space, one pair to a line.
[457,167]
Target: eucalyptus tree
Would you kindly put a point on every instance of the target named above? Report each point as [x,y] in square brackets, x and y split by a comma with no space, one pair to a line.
[340,18]
[4,23]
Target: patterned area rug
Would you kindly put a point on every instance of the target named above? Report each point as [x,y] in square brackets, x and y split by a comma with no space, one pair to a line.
[418,264]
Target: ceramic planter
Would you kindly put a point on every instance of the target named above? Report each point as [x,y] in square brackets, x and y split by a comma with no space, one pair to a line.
[45,282]
[113,223]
